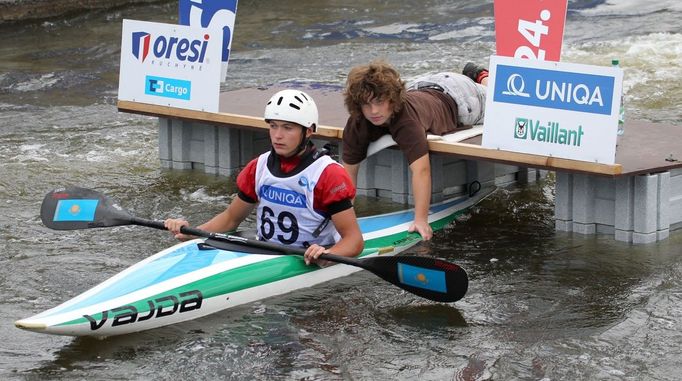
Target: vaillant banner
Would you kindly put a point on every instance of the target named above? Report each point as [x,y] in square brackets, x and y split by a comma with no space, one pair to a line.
[211,14]
[170,65]
[553,109]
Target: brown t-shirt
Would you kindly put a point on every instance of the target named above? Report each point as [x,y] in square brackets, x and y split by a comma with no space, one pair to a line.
[424,111]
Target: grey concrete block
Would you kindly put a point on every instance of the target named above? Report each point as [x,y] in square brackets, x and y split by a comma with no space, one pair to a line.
[181,136]
[563,225]
[563,200]
[663,201]
[645,206]
[228,152]
[642,238]
[623,203]
[583,228]
[583,199]
[623,235]
[165,140]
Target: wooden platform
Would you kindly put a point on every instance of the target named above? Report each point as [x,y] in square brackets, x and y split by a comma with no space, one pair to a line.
[637,200]
[644,148]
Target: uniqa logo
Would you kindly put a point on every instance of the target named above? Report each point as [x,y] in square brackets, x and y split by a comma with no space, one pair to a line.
[515,86]
[181,49]
[554,89]
[283,196]
[566,92]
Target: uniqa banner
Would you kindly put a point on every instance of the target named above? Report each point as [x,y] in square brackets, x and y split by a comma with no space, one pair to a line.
[211,14]
[170,65]
[553,109]
[532,29]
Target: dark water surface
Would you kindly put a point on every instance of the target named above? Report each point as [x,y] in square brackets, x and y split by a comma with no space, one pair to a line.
[542,305]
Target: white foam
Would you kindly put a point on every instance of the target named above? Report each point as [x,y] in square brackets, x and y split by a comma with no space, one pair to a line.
[474,31]
[394,29]
[46,80]
[200,195]
[632,7]
[652,57]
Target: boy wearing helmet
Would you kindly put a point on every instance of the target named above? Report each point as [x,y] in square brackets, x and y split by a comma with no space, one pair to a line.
[297,190]
[379,103]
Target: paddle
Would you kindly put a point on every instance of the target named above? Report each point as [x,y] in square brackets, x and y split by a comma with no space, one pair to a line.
[431,278]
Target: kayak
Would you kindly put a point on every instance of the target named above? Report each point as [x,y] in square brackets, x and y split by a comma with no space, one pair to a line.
[194,279]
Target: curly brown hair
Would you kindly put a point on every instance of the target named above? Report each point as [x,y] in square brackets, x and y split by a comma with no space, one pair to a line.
[378,80]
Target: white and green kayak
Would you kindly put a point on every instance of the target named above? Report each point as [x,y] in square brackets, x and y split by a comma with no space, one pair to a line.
[194,278]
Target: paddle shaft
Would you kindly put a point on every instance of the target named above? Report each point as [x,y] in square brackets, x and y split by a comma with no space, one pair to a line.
[245,241]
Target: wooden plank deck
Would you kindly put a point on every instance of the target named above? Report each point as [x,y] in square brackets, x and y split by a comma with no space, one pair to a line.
[644,148]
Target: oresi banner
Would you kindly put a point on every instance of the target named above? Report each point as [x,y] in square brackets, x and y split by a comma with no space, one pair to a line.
[170,65]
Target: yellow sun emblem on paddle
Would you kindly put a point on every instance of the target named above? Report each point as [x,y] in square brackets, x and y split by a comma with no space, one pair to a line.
[75,209]
[422,278]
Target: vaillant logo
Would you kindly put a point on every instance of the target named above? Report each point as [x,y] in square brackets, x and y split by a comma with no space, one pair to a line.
[169,48]
[554,89]
[168,87]
[551,132]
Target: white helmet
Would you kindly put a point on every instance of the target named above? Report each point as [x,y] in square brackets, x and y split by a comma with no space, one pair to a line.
[292,106]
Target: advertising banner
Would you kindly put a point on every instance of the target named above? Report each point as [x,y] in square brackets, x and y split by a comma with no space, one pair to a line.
[170,65]
[532,29]
[553,109]
[213,14]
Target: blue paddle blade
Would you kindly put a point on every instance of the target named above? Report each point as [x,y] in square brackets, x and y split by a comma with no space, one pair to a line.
[430,278]
[80,208]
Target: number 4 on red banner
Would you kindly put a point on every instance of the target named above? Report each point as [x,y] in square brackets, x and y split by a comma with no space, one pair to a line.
[531,29]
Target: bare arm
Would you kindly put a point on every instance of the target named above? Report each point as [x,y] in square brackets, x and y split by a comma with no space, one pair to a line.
[421,186]
[227,220]
[351,242]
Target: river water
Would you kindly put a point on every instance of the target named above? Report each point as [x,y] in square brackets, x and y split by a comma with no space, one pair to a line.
[542,305]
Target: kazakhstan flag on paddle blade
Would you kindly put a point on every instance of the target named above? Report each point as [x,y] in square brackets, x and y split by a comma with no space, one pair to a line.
[75,210]
[420,277]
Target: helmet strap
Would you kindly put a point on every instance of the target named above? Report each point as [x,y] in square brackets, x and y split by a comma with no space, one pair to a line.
[304,141]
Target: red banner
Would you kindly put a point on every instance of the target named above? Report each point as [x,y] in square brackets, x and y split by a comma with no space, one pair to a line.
[531,29]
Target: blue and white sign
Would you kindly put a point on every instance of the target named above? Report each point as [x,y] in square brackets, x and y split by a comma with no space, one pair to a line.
[553,109]
[170,65]
[211,14]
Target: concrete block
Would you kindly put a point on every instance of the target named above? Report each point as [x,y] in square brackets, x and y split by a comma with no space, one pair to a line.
[583,200]
[211,148]
[623,235]
[563,200]
[527,175]
[583,228]
[624,204]
[181,136]
[642,238]
[165,141]
[663,201]
[401,178]
[563,225]
[645,206]
[228,151]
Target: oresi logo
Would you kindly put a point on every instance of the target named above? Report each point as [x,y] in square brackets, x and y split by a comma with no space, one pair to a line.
[163,47]
[529,129]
